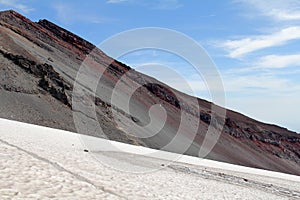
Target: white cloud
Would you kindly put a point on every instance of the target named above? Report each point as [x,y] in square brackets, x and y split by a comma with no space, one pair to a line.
[281,10]
[238,48]
[285,15]
[279,61]
[15,5]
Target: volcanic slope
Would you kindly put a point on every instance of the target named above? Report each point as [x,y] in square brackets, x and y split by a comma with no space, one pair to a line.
[39,64]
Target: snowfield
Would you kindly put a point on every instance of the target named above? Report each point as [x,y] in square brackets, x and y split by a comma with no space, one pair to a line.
[39,162]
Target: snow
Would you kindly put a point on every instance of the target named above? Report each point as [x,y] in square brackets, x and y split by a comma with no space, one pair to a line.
[39,162]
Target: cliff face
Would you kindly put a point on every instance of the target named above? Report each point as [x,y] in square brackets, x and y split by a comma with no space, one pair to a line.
[39,65]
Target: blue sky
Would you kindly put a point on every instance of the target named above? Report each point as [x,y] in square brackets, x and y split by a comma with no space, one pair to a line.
[254,43]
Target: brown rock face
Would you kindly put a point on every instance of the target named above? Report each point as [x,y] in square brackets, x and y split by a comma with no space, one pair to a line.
[81,44]
[39,62]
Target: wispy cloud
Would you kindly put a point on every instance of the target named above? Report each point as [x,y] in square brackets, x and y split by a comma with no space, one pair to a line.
[285,15]
[279,61]
[68,14]
[281,10]
[241,47]
[116,1]
[168,5]
[16,5]
[258,83]
[154,4]
[265,95]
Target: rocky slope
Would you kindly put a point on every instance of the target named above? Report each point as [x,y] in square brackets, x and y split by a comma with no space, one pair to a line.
[39,63]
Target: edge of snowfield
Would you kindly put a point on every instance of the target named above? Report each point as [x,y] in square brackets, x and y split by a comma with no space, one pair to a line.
[39,162]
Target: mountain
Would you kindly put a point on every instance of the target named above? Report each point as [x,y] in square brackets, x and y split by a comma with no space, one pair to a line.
[39,64]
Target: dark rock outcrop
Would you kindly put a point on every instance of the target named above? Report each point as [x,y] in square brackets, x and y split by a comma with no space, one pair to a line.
[50,80]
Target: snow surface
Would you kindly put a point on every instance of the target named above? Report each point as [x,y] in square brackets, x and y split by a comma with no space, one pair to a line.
[38,162]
